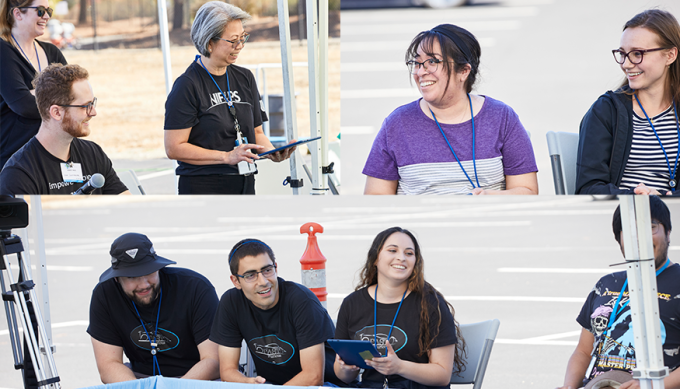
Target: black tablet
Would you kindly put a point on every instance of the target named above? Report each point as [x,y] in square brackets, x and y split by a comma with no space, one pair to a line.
[354,352]
[289,145]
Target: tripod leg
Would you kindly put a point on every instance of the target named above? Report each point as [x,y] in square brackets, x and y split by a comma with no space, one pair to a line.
[30,378]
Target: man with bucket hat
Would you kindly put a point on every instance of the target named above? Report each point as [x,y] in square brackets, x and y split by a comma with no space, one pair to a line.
[159,316]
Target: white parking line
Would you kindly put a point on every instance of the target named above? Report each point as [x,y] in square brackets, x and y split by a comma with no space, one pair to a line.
[552,270]
[373,29]
[495,298]
[395,45]
[357,130]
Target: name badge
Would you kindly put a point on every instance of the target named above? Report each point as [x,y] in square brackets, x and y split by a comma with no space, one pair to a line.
[71,172]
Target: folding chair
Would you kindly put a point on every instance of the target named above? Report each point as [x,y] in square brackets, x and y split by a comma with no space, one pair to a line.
[130,180]
[563,148]
[479,338]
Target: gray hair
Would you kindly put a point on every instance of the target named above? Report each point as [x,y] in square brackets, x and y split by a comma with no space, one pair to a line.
[211,20]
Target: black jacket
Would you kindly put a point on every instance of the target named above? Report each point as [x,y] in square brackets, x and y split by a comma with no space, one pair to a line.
[19,117]
[605,138]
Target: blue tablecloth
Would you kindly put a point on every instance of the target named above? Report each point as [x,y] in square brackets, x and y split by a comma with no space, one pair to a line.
[159,382]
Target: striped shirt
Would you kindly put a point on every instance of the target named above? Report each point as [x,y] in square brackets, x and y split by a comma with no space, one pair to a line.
[410,149]
[646,161]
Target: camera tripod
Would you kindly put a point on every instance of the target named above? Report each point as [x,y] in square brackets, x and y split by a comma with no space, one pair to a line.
[14,297]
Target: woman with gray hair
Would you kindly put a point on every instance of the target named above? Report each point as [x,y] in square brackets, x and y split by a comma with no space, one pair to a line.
[213,119]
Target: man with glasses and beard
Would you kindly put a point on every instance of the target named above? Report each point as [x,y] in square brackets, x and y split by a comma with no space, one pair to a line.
[159,317]
[283,324]
[56,161]
[605,353]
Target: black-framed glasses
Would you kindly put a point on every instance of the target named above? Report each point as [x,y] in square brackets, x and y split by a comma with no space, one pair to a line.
[88,107]
[430,65]
[634,56]
[242,40]
[251,276]
[41,10]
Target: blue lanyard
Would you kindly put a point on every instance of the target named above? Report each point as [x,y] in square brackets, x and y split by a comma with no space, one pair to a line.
[375,318]
[155,335]
[474,163]
[616,310]
[36,53]
[230,103]
[671,182]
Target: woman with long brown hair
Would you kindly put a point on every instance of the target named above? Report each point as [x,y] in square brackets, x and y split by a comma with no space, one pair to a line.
[628,140]
[409,322]
[23,57]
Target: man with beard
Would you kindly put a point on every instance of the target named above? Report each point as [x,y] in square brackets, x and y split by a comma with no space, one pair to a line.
[56,161]
[159,317]
[605,353]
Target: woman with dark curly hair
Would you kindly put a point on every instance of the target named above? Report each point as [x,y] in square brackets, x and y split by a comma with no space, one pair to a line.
[450,141]
[409,322]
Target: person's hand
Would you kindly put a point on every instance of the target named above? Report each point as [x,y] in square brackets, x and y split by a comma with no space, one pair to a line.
[632,384]
[478,191]
[282,155]
[32,91]
[643,189]
[345,366]
[256,380]
[243,153]
[565,387]
[390,364]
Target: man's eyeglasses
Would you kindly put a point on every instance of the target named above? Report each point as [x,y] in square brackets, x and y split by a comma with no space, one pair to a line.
[88,107]
[41,10]
[251,276]
[242,40]
[430,65]
[634,56]
[655,227]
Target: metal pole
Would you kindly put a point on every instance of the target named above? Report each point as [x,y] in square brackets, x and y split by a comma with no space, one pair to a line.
[314,106]
[165,47]
[289,107]
[39,233]
[642,287]
[323,89]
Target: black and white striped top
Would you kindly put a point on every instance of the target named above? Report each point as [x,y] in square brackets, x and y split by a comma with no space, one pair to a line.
[647,163]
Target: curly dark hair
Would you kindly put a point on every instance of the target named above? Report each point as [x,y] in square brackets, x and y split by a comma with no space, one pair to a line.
[418,285]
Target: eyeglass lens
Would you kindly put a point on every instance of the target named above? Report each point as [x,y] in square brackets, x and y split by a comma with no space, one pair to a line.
[90,106]
[252,275]
[430,65]
[635,56]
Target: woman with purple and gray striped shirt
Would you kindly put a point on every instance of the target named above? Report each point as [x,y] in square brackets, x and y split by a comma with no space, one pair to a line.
[450,141]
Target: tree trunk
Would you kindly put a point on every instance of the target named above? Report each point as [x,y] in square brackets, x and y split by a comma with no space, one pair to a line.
[82,15]
[178,15]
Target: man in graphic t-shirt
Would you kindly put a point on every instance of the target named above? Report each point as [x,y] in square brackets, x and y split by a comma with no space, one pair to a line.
[283,323]
[609,332]
[159,317]
[56,160]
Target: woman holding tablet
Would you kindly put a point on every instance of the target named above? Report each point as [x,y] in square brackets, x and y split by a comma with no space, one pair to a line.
[450,141]
[628,140]
[408,321]
[213,120]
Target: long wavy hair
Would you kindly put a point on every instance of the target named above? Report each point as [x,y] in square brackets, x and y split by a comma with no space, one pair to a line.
[667,30]
[416,284]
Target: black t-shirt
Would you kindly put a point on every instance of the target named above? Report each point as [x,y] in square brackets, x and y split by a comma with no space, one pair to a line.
[619,352]
[196,103]
[19,116]
[355,321]
[33,170]
[275,336]
[188,307]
